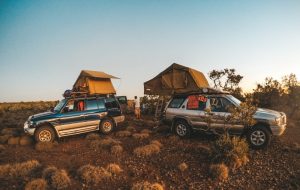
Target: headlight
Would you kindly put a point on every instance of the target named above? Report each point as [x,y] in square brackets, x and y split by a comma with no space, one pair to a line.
[277,120]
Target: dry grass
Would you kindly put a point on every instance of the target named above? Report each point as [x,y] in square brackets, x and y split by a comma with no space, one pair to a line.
[146,131]
[103,143]
[45,146]
[156,142]
[37,184]
[147,150]
[58,179]
[145,185]
[114,169]
[19,170]
[92,175]
[10,131]
[4,139]
[131,129]
[92,136]
[13,141]
[140,136]
[2,147]
[123,134]
[26,140]
[183,166]
[116,149]
[219,172]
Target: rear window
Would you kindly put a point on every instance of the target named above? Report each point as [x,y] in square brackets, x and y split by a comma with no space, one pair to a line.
[176,102]
[122,99]
[91,105]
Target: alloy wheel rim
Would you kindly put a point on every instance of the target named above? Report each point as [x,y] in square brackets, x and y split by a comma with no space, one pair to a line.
[181,130]
[107,126]
[258,137]
[45,136]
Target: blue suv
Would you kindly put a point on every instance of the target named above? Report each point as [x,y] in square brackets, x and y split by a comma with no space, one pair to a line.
[74,116]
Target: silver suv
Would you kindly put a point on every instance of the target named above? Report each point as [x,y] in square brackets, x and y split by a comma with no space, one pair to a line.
[186,113]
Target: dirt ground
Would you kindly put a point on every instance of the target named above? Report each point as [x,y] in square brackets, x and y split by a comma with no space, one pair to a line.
[277,167]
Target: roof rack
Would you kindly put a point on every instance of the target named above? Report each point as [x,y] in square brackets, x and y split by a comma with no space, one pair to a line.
[83,94]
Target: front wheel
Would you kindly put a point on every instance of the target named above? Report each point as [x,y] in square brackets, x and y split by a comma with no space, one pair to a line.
[258,137]
[182,129]
[106,126]
[44,134]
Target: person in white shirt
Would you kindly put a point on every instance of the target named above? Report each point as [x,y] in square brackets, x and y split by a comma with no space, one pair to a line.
[137,109]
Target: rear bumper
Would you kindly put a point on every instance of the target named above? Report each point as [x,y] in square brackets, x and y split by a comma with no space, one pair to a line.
[28,130]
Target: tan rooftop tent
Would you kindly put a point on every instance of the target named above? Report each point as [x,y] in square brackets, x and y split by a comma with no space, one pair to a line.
[94,82]
[177,79]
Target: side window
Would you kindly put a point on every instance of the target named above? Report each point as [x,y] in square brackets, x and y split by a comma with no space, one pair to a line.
[111,103]
[91,104]
[196,102]
[176,102]
[69,107]
[101,104]
[219,104]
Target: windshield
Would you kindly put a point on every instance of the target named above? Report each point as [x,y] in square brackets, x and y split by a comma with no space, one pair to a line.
[234,99]
[60,105]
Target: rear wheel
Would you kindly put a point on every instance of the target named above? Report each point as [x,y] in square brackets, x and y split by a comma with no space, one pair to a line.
[44,134]
[259,137]
[182,129]
[106,126]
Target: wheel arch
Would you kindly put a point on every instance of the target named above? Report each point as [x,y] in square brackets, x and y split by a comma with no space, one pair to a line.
[176,119]
[46,124]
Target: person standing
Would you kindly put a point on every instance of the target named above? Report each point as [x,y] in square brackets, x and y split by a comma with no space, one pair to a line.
[137,109]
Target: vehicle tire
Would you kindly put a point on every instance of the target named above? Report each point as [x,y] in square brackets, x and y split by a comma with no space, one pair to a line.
[44,134]
[258,137]
[182,129]
[106,126]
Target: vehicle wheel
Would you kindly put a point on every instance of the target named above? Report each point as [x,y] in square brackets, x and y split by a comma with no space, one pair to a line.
[258,137]
[44,134]
[182,129]
[106,126]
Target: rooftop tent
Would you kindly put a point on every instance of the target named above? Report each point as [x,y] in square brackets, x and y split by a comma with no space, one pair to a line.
[177,79]
[94,82]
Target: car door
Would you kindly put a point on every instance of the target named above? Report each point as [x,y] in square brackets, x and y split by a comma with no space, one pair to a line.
[94,110]
[71,118]
[195,106]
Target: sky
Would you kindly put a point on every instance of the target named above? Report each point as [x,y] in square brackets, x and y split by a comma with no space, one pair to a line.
[45,44]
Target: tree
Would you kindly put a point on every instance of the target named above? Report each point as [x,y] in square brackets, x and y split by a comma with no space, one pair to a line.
[227,80]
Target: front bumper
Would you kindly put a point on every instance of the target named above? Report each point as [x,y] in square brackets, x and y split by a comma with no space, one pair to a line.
[27,129]
[278,130]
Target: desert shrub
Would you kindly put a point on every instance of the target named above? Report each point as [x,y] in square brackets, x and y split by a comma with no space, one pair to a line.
[114,169]
[25,140]
[140,136]
[219,172]
[36,184]
[13,141]
[183,166]
[10,131]
[19,170]
[92,175]
[123,134]
[145,185]
[156,142]
[45,146]
[4,139]
[2,147]
[146,150]
[116,149]
[58,179]
[130,128]
[103,143]
[92,136]
[146,131]
[231,151]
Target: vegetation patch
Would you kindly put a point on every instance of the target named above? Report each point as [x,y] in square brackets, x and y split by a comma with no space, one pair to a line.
[114,169]
[4,139]
[123,134]
[13,141]
[45,146]
[145,185]
[92,175]
[92,136]
[19,170]
[26,140]
[116,149]
[140,136]
[219,172]
[183,166]
[146,131]
[231,151]
[2,147]
[103,143]
[37,184]
[148,150]
[131,129]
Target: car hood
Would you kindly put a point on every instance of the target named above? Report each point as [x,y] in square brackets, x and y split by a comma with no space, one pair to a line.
[263,113]
[41,115]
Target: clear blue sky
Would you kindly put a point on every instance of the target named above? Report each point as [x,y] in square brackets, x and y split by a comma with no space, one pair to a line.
[45,44]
